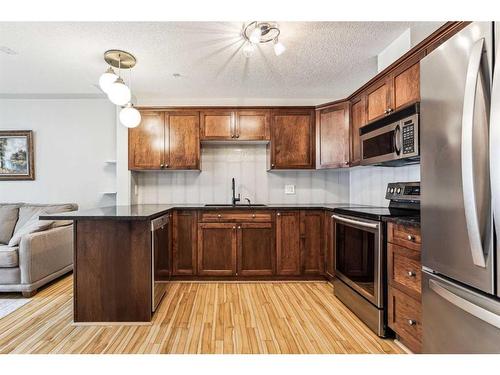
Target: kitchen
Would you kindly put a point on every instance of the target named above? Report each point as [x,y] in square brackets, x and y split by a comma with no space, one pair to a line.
[348,201]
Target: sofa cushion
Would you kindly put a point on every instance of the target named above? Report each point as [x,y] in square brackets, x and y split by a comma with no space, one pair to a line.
[8,218]
[29,210]
[9,256]
[31,226]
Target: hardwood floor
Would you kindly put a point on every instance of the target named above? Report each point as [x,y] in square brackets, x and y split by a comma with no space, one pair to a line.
[200,318]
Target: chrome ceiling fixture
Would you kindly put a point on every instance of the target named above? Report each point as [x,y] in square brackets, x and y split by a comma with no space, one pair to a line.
[259,33]
[116,89]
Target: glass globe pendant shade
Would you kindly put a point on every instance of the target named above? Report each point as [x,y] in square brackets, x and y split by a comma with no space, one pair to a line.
[119,93]
[129,116]
[248,49]
[107,79]
[255,35]
[279,48]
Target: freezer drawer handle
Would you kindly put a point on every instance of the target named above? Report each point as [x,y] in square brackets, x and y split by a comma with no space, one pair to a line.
[355,222]
[471,214]
[462,303]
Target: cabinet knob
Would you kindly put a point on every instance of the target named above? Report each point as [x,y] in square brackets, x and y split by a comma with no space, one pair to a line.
[410,237]
[239,227]
[253,216]
[237,135]
[161,165]
[412,322]
[272,165]
[278,214]
[412,274]
[219,216]
[234,227]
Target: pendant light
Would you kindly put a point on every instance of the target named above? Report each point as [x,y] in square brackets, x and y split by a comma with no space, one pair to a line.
[107,78]
[130,116]
[119,93]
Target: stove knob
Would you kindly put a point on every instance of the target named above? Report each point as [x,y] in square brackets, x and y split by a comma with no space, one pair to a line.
[398,190]
[392,190]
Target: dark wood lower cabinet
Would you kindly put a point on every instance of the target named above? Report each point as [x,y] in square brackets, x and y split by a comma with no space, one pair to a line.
[311,234]
[256,251]
[184,230]
[288,243]
[217,249]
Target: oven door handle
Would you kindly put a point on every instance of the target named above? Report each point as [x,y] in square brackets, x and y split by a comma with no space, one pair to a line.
[355,222]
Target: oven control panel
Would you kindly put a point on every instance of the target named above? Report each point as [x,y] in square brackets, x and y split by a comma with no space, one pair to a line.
[403,191]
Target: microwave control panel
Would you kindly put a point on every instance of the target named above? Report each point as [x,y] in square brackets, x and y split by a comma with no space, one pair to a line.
[408,137]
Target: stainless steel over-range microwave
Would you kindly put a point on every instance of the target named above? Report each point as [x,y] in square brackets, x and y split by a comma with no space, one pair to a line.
[392,140]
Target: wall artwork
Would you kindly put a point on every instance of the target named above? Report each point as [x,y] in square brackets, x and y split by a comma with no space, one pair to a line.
[16,155]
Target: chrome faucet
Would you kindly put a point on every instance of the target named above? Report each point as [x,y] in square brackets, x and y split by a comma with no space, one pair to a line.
[234,194]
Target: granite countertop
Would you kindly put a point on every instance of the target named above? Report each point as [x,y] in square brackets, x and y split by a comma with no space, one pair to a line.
[150,211]
[412,221]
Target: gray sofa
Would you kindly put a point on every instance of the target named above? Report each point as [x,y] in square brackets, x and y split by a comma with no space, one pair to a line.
[33,252]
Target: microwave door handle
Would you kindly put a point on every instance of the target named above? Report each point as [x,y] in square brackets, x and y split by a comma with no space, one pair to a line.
[397,139]
[469,198]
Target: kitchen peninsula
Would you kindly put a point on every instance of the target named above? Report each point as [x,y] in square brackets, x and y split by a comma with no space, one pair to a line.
[117,274]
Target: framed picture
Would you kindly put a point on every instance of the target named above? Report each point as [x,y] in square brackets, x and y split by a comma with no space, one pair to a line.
[16,155]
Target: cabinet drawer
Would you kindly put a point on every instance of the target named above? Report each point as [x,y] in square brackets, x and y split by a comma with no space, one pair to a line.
[405,318]
[235,216]
[404,269]
[406,236]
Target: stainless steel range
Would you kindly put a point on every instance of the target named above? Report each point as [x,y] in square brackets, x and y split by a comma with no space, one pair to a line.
[360,253]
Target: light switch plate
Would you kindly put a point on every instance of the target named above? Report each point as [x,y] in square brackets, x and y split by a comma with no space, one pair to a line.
[289,189]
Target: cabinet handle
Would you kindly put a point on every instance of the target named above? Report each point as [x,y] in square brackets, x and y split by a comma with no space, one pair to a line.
[412,322]
[412,274]
[410,237]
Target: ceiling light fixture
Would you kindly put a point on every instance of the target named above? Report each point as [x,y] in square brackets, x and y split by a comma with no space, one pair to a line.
[116,89]
[259,33]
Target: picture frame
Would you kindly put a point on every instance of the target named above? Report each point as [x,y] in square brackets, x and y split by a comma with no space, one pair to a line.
[17,159]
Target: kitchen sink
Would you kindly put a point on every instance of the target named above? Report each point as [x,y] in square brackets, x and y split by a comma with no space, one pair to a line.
[234,205]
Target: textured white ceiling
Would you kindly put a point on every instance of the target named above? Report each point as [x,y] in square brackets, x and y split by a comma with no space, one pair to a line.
[323,61]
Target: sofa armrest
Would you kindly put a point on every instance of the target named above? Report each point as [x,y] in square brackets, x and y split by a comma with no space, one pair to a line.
[43,253]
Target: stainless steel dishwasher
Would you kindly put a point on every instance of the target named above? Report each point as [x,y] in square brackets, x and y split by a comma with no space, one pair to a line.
[159,254]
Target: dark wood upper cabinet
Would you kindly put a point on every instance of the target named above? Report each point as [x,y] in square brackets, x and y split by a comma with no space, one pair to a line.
[379,99]
[332,136]
[252,125]
[184,232]
[292,139]
[288,240]
[165,140]
[217,249]
[358,119]
[146,142]
[312,242]
[406,86]
[182,144]
[217,125]
[256,251]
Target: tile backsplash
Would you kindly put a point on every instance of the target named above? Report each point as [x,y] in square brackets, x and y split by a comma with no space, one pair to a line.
[247,164]
[367,185]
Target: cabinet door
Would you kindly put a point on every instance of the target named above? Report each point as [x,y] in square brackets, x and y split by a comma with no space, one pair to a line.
[379,99]
[292,139]
[184,241]
[182,142]
[329,246]
[288,243]
[146,142]
[406,86]
[311,228]
[217,125]
[358,119]
[332,136]
[217,249]
[256,250]
[252,125]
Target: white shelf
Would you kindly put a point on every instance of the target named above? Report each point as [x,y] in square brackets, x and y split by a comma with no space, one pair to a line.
[110,161]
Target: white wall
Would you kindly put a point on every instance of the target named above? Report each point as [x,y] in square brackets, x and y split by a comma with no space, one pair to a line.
[247,164]
[72,140]
[367,185]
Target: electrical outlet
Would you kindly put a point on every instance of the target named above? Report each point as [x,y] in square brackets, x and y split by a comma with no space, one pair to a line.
[289,189]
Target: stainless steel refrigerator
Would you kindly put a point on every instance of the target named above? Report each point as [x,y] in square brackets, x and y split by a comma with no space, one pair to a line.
[460,199]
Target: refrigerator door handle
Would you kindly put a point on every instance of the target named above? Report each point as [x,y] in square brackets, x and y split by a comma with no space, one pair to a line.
[471,214]
[465,305]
